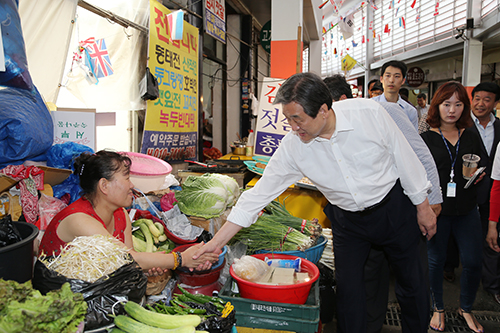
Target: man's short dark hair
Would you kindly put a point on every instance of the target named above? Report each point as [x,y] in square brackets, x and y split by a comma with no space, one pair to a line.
[307,90]
[338,86]
[422,95]
[373,81]
[378,86]
[404,92]
[488,87]
[395,63]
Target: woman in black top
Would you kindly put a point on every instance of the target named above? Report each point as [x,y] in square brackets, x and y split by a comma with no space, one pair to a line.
[448,140]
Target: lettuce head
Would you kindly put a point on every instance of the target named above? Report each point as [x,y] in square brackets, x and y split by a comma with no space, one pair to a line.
[204,196]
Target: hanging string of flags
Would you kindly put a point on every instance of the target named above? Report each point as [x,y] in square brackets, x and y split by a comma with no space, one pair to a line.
[345,22]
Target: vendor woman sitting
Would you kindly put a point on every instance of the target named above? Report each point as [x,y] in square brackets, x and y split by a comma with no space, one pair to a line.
[106,185]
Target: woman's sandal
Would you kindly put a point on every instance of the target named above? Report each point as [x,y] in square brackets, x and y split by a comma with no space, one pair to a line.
[440,321]
[471,320]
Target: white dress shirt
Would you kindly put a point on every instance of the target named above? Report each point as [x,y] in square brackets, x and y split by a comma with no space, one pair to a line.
[354,169]
[419,147]
[409,109]
[487,134]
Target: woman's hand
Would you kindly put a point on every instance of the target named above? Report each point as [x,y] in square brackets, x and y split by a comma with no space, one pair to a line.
[492,236]
[155,271]
[203,262]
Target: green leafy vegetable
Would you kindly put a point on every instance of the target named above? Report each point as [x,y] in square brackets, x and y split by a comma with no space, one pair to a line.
[60,311]
[204,196]
[232,188]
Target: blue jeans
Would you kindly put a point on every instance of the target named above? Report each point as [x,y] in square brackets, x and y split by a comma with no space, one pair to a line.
[466,229]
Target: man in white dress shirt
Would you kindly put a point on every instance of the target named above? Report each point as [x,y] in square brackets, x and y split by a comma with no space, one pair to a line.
[393,76]
[361,162]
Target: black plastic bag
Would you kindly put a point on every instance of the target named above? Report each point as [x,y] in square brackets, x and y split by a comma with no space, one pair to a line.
[8,232]
[204,237]
[215,324]
[326,293]
[152,91]
[104,297]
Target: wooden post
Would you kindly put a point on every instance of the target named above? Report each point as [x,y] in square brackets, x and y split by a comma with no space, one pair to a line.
[299,49]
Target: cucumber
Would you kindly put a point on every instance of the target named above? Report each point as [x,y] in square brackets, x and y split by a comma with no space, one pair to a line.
[130,325]
[116,330]
[158,319]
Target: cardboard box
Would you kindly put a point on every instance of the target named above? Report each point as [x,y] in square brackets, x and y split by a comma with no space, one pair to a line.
[53,176]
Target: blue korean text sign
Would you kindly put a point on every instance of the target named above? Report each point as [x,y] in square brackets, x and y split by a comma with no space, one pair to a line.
[271,124]
[215,19]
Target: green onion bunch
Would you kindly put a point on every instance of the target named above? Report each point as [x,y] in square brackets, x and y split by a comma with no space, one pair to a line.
[267,234]
[279,213]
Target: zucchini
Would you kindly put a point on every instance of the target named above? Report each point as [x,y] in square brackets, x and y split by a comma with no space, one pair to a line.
[139,244]
[130,325]
[149,238]
[154,230]
[160,227]
[158,319]
[138,222]
[138,233]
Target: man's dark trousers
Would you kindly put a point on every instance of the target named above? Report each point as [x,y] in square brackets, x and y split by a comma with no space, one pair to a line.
[392,225]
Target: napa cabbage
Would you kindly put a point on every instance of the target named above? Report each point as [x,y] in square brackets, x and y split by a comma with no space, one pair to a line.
[206,196]
[232,187]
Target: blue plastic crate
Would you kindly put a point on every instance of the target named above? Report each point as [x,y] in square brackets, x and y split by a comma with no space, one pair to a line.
[312,254]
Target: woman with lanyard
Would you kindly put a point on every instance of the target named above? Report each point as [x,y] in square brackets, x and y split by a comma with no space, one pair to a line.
[448,140]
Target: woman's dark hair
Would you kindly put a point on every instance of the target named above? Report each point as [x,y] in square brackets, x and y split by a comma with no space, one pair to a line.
[90,168]
[307,90]
[442,94]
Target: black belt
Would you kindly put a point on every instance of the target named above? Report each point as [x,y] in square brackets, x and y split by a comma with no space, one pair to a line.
[379,204]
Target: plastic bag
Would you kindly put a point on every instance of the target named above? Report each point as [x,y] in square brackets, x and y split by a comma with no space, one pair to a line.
[104,297]
[250,268]
[8,232]
[215,324]
[48,208]
[326,293]
[61,156]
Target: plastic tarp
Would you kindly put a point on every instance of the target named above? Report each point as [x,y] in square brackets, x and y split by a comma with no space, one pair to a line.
[26,127]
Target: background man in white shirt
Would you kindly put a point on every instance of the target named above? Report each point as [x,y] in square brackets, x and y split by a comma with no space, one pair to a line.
[361,162]
[484,98]
[393,76]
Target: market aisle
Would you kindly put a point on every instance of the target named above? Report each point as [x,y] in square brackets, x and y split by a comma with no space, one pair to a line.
[487,311]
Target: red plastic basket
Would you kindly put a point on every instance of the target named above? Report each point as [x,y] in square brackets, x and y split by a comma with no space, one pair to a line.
[293,294]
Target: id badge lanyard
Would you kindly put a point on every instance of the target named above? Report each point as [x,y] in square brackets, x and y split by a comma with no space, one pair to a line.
[451,189]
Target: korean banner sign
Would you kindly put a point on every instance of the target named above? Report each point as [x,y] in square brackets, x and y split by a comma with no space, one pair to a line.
[171,126]
[271,123]
[215,19]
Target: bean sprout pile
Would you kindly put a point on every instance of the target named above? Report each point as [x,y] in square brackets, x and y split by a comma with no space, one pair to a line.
[89,258]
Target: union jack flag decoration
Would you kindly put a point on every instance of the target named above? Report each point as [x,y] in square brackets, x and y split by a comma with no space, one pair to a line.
[98,56]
